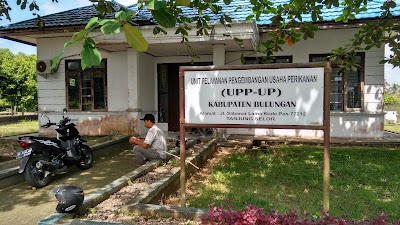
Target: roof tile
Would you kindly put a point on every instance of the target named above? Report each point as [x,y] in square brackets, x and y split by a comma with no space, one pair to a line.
[238,10]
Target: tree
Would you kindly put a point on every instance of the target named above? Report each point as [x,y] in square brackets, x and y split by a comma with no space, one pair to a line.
[18,85]
[392,89]
[395,89]
[287,19]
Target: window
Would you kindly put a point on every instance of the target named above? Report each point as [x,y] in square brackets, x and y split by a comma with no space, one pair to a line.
[86,89]
[163,93]
[275,59]
[346,85]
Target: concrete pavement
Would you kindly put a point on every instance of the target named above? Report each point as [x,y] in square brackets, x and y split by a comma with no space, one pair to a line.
[20,204]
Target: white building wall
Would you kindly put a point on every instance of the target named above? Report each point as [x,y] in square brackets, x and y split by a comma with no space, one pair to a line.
[374,81]
[52,93]
[343,124]
[117,81]
[147,79]
[147,89]
[52,89]
[132,84]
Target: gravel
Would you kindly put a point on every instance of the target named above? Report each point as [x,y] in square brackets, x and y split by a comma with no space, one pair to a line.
[108,210]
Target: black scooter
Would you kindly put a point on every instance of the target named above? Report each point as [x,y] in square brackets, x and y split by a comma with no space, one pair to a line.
[43,157]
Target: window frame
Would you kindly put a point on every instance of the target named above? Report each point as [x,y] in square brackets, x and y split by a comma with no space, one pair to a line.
[79,72]
[274,59]
[361,71]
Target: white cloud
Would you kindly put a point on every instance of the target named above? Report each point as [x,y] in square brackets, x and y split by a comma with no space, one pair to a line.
[49,7]
[127,2]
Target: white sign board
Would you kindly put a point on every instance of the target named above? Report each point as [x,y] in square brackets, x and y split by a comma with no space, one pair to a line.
[290,96]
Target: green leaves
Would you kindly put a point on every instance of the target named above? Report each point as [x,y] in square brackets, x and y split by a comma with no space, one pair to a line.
[135,38]
[156,4]
[111,27]
[18,83]
[183,2]
[124,15]
[92,22]
[286,20]
[90,54]
[227,2]
[308,30]
[164,18]
[78,36]
[104,7]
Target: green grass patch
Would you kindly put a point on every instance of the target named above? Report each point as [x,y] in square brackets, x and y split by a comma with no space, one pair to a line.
[393,128]
[22,127]
[363,184]
[395,107]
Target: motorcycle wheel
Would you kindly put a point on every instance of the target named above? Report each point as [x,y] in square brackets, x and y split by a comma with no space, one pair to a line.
[37,177]
[86,160]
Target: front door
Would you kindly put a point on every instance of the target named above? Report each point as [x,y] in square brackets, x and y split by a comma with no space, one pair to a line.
[168,92]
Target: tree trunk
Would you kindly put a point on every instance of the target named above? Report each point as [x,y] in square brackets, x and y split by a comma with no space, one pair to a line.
[23,108]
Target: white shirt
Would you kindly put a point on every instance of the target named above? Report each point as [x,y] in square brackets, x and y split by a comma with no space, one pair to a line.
[156,140]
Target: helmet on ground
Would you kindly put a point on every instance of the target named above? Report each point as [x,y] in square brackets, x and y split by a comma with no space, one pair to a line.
[70,198]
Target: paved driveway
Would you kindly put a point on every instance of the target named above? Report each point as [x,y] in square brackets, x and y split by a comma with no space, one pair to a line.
[20,204]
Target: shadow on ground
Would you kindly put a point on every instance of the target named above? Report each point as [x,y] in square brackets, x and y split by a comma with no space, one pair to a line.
[22,202]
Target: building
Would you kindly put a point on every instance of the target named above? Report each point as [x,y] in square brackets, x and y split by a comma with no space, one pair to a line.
[110,98]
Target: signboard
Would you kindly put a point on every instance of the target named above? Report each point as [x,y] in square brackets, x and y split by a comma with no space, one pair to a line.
[288,96]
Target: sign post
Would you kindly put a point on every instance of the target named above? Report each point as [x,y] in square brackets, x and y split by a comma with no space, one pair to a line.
[275,96]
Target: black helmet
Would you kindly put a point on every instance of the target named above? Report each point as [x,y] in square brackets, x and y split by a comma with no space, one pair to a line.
[178,141]
[70,198]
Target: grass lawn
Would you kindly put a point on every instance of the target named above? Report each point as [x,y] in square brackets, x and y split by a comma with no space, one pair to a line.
[393,128]
[22,127]
[364,181]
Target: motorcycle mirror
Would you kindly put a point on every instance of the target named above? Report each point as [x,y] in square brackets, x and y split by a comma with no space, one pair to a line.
[44,115]
[64,111]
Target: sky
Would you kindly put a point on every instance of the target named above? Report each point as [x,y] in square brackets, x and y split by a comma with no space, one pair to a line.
[48,7]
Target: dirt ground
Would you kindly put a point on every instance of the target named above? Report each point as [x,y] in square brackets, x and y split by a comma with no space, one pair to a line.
[202,176]
[8,149]
[109,210]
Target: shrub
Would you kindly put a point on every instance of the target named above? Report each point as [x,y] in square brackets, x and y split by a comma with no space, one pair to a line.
[255,216]
[391,99]
[3,105]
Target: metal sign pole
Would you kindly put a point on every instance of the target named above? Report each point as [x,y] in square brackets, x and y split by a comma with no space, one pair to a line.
[182,136]
[327,131]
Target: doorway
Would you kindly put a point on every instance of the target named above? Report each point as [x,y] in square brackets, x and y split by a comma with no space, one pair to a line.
[168,92]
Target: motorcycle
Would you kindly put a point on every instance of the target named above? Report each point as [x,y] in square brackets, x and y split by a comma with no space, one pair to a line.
[44,157]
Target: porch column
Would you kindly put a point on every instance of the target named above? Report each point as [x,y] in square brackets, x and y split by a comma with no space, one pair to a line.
[219,60]
[218,54]
[133,88]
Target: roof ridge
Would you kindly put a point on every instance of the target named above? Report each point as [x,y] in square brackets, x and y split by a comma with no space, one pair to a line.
[92,6]
[80,16]
[49,15]
[52,14]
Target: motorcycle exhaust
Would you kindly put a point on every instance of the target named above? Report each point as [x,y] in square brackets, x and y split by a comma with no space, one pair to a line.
[50,165]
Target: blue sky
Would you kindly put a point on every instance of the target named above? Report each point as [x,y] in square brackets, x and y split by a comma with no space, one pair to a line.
[46,7]
[49,7]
